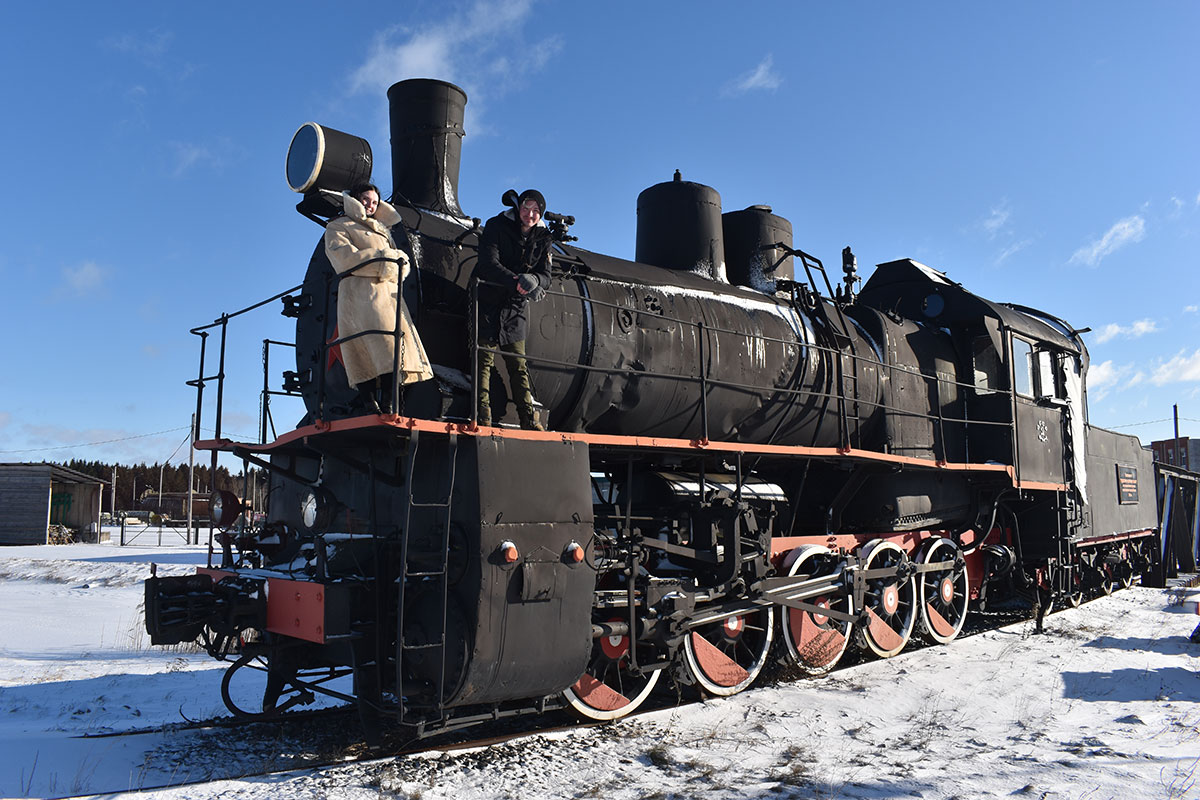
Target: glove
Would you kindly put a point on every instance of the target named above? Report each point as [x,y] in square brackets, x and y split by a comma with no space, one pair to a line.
[401,259]
[527,283]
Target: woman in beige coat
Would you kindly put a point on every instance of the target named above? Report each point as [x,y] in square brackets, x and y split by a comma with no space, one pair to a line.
[368,296]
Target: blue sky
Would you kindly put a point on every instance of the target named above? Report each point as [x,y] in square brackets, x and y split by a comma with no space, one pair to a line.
[1039,153]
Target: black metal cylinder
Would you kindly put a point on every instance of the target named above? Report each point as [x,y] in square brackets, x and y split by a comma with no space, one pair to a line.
[752,257]
[427,129]
[635,350]
[679,228]
[324,158]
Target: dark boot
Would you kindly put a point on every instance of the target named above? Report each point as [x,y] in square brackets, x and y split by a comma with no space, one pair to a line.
[525,411]
[366,397]
[384,382]
[518,378]
[528,420]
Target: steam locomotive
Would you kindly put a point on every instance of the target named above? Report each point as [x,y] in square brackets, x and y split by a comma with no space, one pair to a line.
[745,459]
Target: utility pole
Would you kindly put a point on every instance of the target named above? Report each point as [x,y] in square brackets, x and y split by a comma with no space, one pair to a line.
[1178,463]
[191,479]
[113,493]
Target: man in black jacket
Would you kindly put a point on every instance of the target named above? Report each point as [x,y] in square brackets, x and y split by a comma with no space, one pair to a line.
[513,268]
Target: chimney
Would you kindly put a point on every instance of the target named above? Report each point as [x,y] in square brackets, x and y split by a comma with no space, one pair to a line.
[427,129]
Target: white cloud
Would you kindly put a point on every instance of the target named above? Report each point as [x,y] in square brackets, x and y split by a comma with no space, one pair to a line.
[1133,331]
[1142,327]
[1106,377]
[1130,229]
[762,76]
[996,219]
[83,279]
[1180,369]
[1191,309]
[473,48]
[1177,207]
[1101,375]
[426,54]
[188,155]
[1013,249]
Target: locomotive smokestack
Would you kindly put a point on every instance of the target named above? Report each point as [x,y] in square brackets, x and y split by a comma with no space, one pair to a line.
[427,129]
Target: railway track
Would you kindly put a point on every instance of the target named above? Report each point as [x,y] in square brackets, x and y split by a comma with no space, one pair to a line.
[193,752]
[197,752]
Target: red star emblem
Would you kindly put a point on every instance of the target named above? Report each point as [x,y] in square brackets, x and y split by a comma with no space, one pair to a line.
[334,353]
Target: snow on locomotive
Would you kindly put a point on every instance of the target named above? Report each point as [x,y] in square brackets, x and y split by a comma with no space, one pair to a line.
[743,458]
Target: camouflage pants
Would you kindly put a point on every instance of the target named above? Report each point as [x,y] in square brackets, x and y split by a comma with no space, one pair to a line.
[518,380]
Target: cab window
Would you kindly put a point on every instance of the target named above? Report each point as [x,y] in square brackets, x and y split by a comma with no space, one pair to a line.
[1051,381]
[986,365]
[1022,367]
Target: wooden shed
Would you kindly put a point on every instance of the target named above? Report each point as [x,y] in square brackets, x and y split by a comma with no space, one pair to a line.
[35,496]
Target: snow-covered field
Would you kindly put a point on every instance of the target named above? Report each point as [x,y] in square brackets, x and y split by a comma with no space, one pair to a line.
[1105,705]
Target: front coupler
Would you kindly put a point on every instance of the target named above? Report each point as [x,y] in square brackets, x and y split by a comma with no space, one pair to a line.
[178,608]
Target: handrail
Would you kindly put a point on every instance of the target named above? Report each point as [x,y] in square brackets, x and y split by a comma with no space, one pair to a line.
[224,318]
[854,361]
[223,323]
[804,392]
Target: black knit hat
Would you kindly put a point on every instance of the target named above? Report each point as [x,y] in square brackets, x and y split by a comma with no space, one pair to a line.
[535,195]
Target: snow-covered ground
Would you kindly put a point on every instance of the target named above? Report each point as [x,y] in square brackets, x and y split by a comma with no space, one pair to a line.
[1105,705]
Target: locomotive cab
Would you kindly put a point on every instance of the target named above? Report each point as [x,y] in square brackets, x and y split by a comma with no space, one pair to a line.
[1021,384]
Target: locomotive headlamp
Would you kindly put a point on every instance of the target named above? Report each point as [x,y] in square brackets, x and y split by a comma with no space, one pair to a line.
[508,552]
[224,507]
[316,509]
[574,553]
[323,158]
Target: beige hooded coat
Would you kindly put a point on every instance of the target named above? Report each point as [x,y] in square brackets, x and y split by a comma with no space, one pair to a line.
[367,297]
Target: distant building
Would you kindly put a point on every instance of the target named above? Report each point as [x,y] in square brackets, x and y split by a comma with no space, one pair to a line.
[1181,452]
[35,496]
[173,505]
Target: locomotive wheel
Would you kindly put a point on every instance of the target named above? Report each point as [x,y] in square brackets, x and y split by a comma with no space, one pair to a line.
[610,688]
[890,602]
[1124,570]
[815,643]
[1107,581]
[724,657]
[1075,596]
[943,593]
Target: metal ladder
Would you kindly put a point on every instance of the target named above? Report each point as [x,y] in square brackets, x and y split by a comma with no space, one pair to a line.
[413,575]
